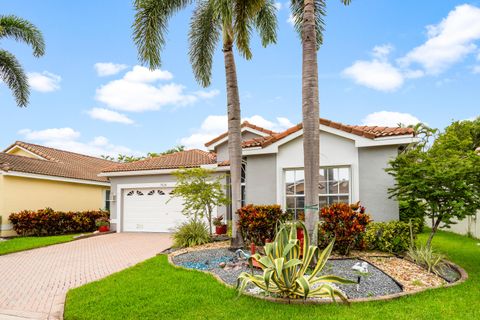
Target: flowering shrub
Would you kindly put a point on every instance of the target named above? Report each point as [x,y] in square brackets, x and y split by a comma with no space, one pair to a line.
[391,236]
[258,223]
[49,222]
[346,223]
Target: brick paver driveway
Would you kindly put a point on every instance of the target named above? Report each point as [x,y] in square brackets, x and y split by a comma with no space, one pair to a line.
[34,283]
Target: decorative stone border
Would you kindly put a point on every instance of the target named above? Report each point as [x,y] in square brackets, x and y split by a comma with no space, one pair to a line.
[460,270]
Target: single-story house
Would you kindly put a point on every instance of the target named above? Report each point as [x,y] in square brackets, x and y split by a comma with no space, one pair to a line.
[35,177]
[352,163]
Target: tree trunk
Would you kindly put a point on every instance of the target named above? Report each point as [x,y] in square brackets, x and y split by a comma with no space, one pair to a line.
[234,140]
[310,114]
[432,233]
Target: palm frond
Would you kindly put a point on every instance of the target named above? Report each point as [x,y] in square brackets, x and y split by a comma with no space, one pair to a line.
[22,30]
[297,8]
[242,26]
[150,27]
[11,72]
[266,23]
[204,36]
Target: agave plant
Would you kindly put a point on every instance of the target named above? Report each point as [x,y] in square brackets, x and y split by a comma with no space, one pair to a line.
[287,274]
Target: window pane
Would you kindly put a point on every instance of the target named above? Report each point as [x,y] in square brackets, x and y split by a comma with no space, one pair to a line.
[331,200]
[290,203]
[289,182]
[323,175]
[299,182]
[332,187]
[344,187]
[343,174]
[330,174]
[322,186]
[343,199]
[323,201]
[300,203]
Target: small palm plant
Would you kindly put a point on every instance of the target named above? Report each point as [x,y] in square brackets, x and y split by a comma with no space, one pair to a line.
[287,274]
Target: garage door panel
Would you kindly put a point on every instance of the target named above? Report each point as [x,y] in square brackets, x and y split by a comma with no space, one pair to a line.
[149,210]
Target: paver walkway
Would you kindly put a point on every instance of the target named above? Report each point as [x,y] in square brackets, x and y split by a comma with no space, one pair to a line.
[34,283]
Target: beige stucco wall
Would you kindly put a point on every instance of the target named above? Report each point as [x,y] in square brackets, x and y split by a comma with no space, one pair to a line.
[18,194]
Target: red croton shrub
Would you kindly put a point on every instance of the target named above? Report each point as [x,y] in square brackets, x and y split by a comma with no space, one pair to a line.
[49,222]
[346,223]
[258,223]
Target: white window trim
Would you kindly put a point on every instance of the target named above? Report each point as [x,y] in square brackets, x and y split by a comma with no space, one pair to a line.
[350,184]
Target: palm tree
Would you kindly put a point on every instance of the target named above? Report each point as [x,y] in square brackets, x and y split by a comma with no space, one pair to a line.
[309,16]
[11,72]
[232,21]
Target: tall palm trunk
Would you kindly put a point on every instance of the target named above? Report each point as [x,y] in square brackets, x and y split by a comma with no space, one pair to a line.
[234,139]
[310,114]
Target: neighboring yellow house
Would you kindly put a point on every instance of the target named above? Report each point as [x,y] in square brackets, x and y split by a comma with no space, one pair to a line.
[35,177]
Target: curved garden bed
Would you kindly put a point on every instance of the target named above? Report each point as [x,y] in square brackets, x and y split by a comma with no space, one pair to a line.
[389,277]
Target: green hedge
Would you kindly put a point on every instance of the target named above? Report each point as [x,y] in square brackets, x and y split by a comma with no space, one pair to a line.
[393,237]
[45,222]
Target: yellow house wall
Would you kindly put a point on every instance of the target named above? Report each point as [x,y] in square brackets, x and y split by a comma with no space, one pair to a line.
[18,194]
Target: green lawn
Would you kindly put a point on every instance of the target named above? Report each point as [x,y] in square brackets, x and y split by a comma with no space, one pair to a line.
[26,243]
[156,290]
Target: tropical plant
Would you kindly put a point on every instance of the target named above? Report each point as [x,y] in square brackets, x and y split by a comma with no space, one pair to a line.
[200,191]
[344,223]
[288,274]
[232,21]
[442,177]
[308,17]
[11,72]
[218,221]
[427,258]
[191,233]
[258,223]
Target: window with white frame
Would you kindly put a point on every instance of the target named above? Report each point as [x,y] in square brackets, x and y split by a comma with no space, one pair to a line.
[107,200]
[334,187]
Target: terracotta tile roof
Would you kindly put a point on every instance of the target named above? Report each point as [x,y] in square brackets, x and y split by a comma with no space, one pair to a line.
[244,124]
[57,163]
[183,159]
[370,132]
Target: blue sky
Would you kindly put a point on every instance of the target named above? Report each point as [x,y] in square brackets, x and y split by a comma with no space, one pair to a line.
[383,62]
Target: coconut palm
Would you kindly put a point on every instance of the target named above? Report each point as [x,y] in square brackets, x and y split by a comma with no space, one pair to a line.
[230,21]
[11,72]
[308,16]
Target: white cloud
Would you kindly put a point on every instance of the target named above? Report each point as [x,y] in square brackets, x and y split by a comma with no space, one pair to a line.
[448,42]
[142,74]
[44,82]
[278,5]
[104,69]
[109,115]
[375,74]
[50,134]
[291,20]
[138,91]
[382,52]
[476,69]
[215,125]
[68,139]
[389,119]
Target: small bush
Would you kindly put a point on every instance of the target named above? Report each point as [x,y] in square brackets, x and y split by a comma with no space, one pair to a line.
[258,223]
[47,221]
[344,223]
[191,233]
[393,237]
[412,211]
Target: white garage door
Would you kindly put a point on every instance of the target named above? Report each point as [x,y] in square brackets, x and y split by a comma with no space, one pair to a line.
[149,210]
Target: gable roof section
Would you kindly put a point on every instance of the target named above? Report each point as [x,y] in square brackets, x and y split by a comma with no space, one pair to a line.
[183,159]
[245,124]
[55,162]
[370,132]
